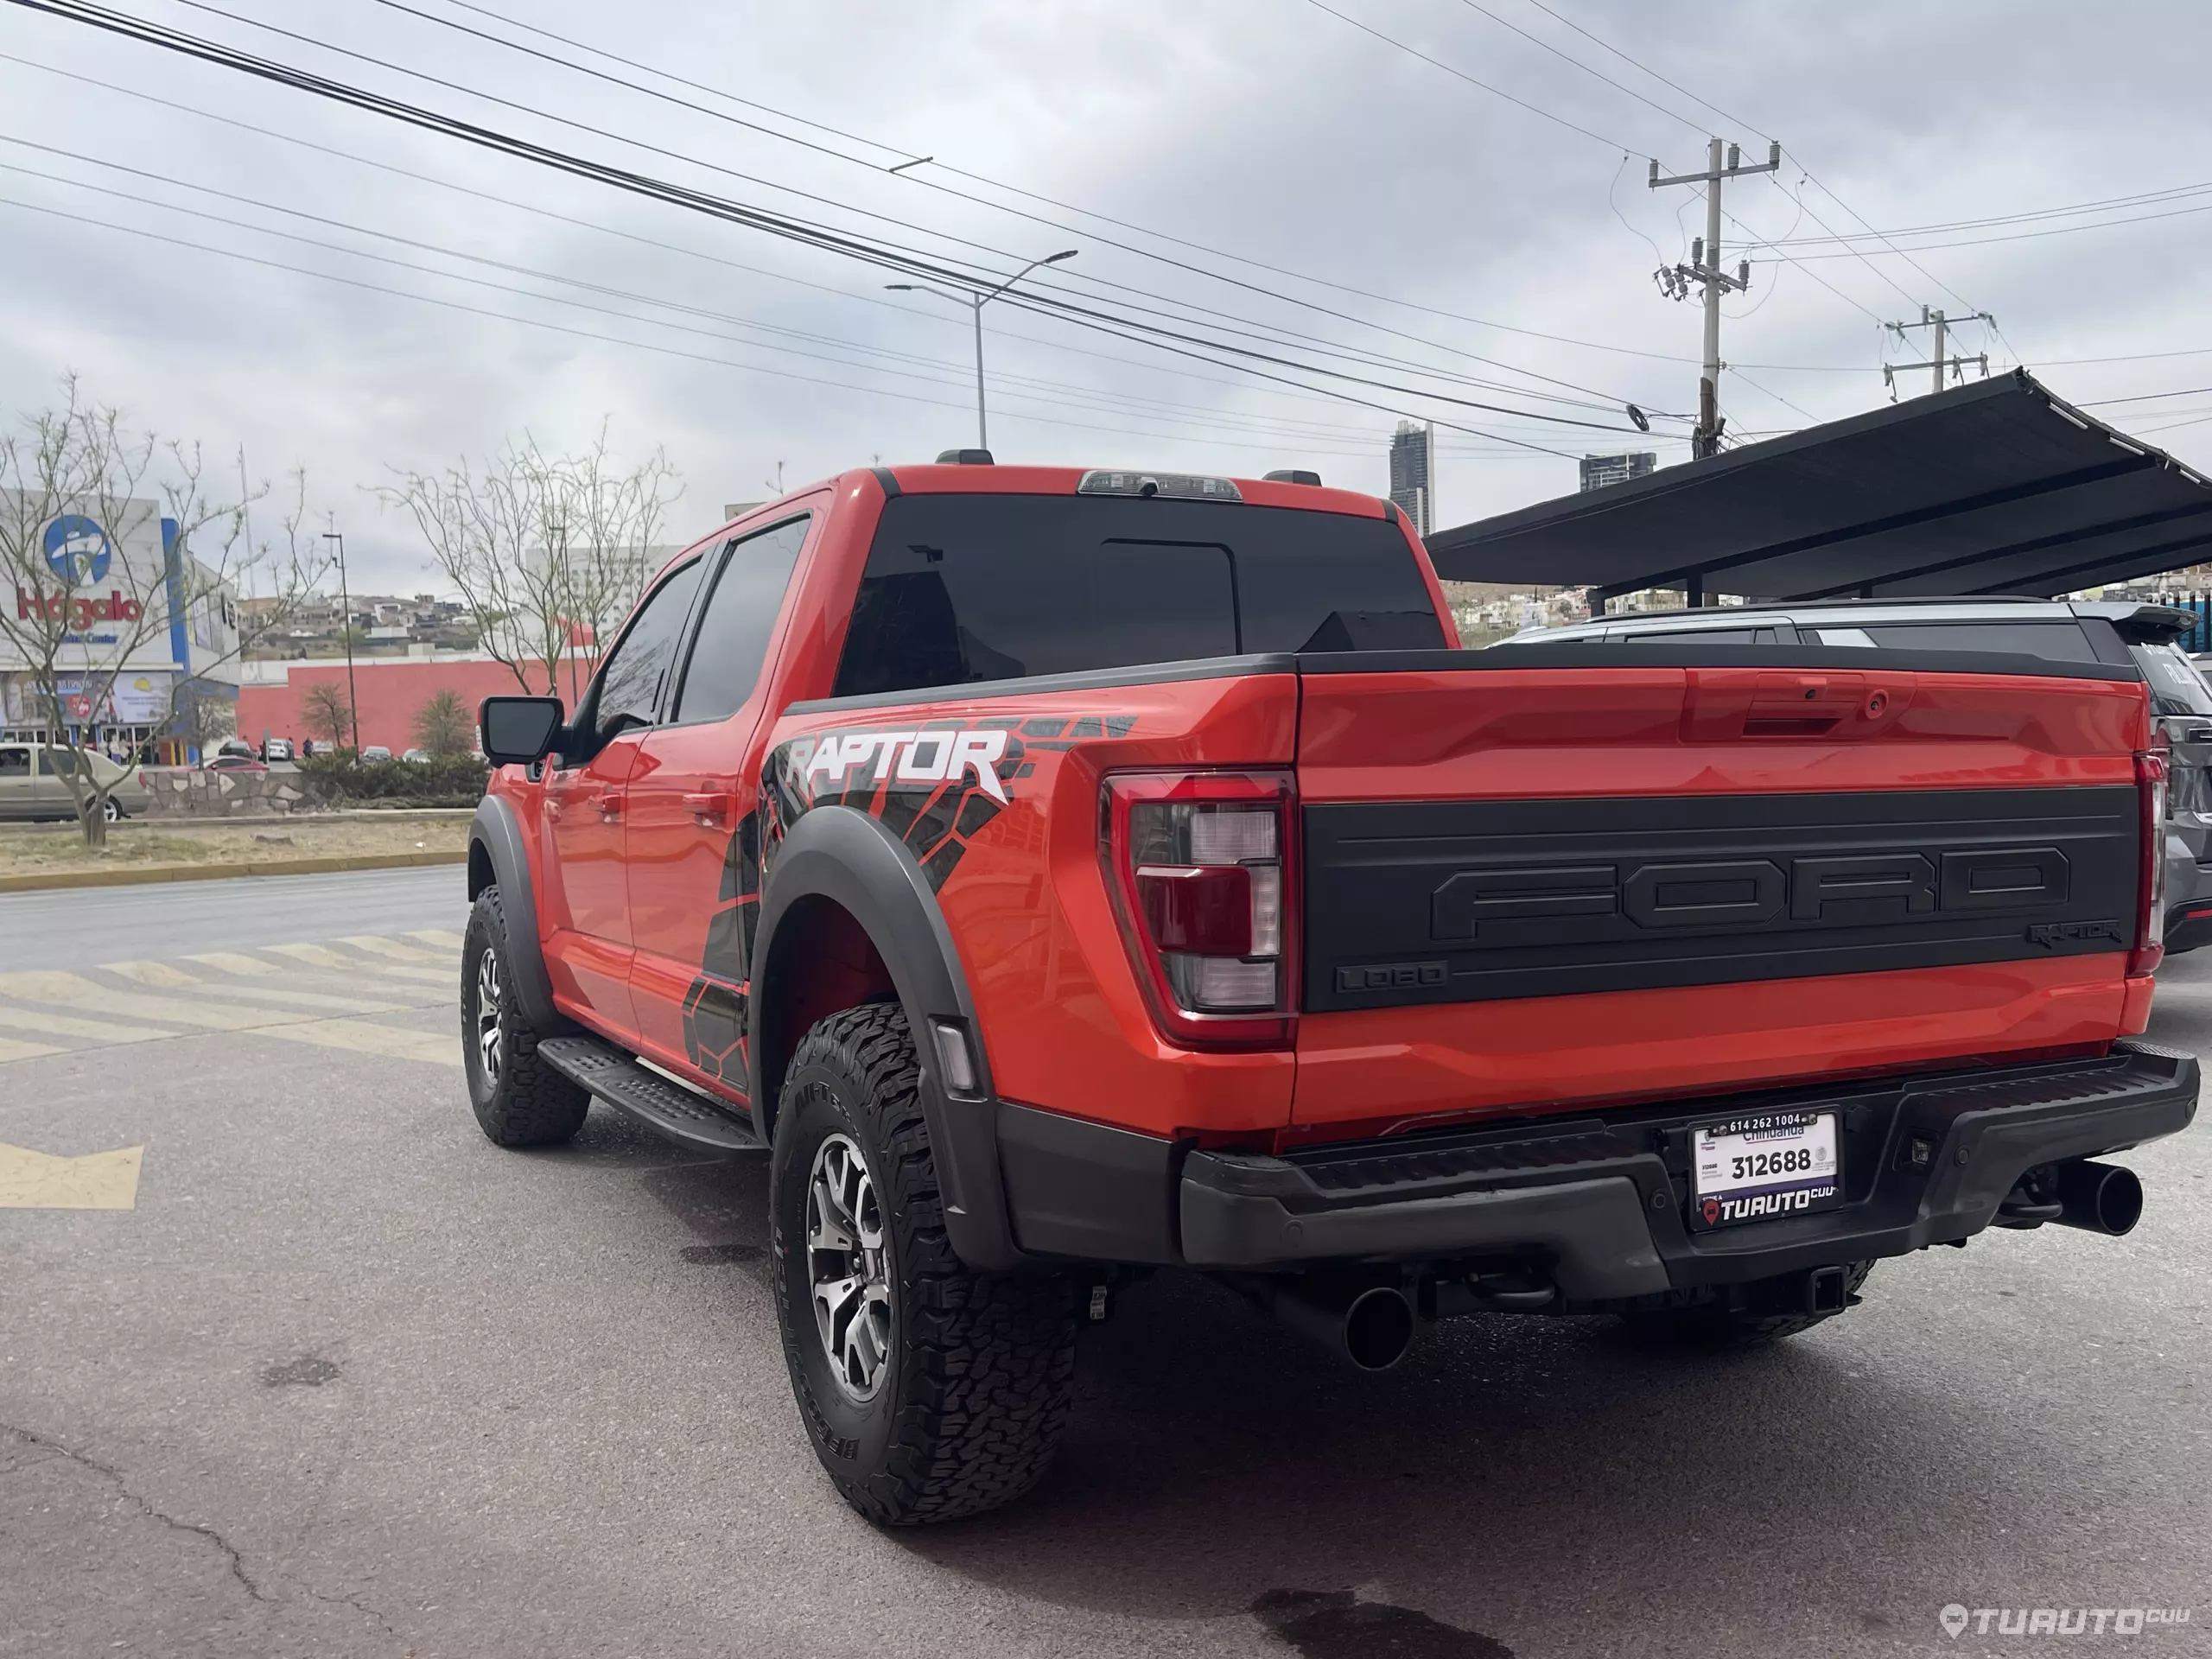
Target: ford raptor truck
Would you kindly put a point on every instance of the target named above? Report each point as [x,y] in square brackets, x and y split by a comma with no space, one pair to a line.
[1062,875]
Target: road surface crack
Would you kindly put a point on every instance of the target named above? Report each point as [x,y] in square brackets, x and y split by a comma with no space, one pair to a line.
[230,1550]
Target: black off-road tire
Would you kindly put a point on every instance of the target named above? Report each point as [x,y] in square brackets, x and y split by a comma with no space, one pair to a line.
[519,1100]
[1720,1328]
[973,1387]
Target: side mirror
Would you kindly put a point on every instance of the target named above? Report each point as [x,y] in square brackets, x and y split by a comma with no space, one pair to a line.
[515,731]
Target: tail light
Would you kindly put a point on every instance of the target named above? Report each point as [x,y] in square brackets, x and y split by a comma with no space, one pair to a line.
[1202,867]
[2151,773]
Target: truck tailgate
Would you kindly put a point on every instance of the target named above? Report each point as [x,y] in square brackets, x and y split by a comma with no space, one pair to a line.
[1544,886]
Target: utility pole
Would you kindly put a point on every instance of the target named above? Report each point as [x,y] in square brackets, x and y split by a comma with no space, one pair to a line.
[1938,362]
[345,633]
[975,300]
[1704,268]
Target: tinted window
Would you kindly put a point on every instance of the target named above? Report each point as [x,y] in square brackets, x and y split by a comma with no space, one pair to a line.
[2175,684]
[57,763]
[964,587]
[741,610]
[629,681]
[14,763]
[2062,642]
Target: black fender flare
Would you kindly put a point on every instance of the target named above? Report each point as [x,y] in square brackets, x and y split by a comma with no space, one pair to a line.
[498,855]
[848,858]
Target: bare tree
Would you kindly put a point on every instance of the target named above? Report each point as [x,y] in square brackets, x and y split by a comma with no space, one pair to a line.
[325,712]
[620,516]
[545,551]
[118,544]
[442,727]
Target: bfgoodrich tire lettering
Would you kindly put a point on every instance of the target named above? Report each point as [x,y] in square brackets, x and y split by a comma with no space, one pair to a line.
[519,1100]
[973,1390]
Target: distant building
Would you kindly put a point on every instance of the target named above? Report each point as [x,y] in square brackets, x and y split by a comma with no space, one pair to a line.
[1413,473]
[1598,471]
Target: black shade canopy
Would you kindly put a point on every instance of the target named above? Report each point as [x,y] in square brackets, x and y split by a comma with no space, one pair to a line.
[1994,487]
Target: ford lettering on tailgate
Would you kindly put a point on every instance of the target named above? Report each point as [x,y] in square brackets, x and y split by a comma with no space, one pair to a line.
[1481,899]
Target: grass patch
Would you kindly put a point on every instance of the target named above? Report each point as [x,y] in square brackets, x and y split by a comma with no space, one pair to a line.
[29,849]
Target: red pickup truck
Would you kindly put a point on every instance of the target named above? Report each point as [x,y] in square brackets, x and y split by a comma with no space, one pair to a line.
[1066,874]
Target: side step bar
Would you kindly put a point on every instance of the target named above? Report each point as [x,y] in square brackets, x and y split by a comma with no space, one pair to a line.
[666,1108]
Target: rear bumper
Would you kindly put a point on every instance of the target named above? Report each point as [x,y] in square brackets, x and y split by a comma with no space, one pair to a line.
[1599,1201]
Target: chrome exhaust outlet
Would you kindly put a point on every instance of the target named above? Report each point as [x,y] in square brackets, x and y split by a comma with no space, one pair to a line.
[1370,1325]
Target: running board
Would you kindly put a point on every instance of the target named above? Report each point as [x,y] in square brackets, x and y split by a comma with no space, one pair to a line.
[666,1108]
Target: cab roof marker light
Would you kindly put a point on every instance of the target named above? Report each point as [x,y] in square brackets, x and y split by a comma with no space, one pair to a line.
[1176,486]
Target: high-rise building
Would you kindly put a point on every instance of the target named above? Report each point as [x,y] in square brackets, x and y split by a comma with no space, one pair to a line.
[1413,473]
[1598,471]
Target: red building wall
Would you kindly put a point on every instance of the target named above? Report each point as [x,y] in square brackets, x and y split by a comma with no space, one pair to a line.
[389,692]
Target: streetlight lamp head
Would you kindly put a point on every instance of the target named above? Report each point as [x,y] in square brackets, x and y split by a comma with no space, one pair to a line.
[1064,253]
[899,288]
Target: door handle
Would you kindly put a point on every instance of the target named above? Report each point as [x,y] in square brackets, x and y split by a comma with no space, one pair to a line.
[610,806]
[711,808]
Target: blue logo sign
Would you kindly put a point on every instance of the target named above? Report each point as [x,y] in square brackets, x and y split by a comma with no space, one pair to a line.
[77,549]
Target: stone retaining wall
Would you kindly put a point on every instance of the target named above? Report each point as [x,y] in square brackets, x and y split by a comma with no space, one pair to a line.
[178,794]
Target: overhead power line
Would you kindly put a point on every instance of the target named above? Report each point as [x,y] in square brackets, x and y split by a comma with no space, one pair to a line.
[600,227]
[1085,395]
[1203,311]
[1185,265]
[887,256]
[905,171]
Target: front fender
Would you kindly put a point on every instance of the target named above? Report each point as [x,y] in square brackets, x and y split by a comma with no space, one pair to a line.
[495,836]
[850,859]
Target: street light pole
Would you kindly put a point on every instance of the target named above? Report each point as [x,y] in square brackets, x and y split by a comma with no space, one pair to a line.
[975,300]
[345,632]
[982,424]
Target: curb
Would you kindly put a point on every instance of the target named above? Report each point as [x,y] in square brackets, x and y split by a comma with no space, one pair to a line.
[149,875]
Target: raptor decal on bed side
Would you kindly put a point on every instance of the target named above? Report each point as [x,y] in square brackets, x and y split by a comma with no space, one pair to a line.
[934,785]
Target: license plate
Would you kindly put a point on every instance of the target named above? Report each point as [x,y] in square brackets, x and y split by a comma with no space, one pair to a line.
[1762,1169]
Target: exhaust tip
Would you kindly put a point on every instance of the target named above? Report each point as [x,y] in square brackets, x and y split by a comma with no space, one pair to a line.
[1378,1329]
[2102,1198]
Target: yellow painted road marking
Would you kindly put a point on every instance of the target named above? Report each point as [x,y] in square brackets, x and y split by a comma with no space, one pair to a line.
[159,975]
[438,1048]
[316,1001]
[14,1051]
[436,936]
[237,962]
[74,990]
[99,1180]
[377,945]
[317,955]
[61,1025]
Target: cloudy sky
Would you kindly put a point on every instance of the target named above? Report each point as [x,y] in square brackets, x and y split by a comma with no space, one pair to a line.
[1294,223]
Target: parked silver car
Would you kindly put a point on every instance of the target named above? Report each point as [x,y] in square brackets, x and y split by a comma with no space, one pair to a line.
[2121,632]
[34,783]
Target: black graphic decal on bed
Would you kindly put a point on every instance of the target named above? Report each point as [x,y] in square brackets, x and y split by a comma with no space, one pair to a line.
[934,786]
[715,1034]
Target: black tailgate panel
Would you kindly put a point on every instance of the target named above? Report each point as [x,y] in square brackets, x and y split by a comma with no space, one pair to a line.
[1460,901]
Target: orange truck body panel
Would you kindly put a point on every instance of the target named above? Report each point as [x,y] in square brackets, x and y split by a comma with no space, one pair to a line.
[1062,1014]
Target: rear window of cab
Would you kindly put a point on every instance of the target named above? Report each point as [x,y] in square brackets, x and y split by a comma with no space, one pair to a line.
[960,588]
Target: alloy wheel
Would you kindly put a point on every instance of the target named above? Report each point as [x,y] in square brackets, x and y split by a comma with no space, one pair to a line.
[490,1045]
[848,1266]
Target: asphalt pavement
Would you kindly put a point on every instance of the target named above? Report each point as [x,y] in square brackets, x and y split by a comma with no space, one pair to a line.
[344,1379]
